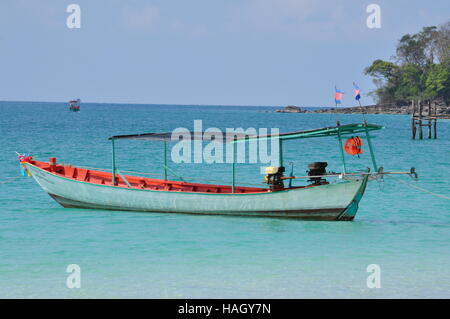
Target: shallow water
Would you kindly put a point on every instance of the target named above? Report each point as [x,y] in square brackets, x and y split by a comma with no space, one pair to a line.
[121,254]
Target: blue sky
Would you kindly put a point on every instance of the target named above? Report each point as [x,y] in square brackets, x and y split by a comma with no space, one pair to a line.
[226,52]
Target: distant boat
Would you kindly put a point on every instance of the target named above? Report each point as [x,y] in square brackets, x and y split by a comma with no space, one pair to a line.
[78,187]
[74,105]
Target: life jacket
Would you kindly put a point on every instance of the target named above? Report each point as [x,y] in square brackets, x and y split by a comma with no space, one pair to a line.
[353,146]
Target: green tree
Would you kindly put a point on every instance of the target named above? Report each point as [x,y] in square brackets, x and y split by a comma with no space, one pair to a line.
[409,83]
[384,74]
[382,70]
[437,83]
[442,43]
[421,69]
[417,49]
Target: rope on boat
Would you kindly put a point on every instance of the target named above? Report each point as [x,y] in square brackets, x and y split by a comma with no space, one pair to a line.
[421,189]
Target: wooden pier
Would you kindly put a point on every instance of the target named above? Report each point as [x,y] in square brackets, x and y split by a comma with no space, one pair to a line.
[423,114]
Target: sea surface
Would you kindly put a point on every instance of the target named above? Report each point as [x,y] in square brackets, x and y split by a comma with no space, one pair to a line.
[403,230]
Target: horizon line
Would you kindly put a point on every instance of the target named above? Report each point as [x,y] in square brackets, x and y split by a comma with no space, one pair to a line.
[161,104]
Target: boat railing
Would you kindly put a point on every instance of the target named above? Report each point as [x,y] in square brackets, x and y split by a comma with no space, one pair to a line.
[372,175]
[378,174]
[182,178]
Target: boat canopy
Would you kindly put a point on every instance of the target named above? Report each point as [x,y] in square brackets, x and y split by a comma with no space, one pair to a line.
[167,137]
[338,130]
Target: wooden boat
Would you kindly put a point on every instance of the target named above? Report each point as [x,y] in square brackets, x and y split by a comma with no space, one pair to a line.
[74,105]
[78,187]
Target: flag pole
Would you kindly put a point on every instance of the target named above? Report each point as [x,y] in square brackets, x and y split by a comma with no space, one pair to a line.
[336,106]
[359,101]
[362,110]
[337,114]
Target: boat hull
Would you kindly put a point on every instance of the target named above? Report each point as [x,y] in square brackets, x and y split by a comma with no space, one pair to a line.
[337,201]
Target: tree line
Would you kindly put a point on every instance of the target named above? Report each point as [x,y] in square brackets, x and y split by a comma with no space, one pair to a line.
[420,68]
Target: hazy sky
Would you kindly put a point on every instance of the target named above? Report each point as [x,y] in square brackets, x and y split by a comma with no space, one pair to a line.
[229,52]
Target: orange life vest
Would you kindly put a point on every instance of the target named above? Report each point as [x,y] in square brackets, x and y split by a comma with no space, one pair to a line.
[353,146]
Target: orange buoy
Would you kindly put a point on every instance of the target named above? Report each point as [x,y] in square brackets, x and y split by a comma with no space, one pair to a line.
[353,146]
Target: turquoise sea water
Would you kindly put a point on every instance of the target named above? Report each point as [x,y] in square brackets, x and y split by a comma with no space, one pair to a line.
[144,255]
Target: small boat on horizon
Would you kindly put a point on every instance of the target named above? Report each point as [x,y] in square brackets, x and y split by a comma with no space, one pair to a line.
[74,105]
[77,187]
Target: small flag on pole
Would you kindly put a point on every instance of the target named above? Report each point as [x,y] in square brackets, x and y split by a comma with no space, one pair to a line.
[338,95]
[356,91]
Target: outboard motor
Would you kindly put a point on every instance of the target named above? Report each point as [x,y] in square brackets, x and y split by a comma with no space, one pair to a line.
[273,177]
[317,169]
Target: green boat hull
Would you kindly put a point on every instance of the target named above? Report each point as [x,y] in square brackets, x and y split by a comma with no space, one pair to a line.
[334,201]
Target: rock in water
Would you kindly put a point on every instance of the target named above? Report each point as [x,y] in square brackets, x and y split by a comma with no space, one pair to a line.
[291,109]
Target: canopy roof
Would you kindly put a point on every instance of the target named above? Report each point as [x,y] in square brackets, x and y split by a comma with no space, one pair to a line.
[207,136]
[342,130]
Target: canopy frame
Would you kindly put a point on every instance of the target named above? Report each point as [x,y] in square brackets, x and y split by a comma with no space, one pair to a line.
[339,131]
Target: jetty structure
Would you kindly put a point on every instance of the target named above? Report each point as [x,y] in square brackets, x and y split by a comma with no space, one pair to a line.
[424,114]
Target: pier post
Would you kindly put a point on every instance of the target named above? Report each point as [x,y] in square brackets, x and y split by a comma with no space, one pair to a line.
[429,129]
[429,119]
[420,119]
[435,119]
[435,128]
[413,120]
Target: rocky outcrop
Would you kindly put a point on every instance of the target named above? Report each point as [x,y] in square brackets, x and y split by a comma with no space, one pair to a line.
[370,109]
[291,109]
[441,109]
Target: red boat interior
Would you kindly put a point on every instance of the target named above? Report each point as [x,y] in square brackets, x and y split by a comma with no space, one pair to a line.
[105,178]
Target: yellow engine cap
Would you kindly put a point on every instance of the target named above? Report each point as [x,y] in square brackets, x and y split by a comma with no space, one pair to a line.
[272,169]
